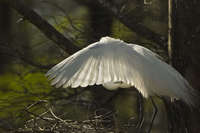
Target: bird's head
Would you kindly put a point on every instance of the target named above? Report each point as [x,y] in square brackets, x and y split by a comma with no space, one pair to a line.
[107,39]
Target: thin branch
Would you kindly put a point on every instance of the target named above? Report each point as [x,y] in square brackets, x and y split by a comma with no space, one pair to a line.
[40,116]
[170,31]
[36,103]
[56,117]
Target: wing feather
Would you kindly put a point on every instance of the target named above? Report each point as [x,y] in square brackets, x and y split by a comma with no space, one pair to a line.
[113,67]
[75,81]
[94,72]
[83,71]
[106,72]
[85,74]
[111,60]
[56,70]
[100,72]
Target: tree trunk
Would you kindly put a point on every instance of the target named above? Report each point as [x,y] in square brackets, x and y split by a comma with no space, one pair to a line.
[5,29]
[100,22]
[184,55]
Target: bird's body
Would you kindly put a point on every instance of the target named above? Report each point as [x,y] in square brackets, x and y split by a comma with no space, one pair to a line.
[117,64]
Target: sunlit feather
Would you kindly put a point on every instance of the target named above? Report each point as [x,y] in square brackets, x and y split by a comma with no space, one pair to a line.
[116,64]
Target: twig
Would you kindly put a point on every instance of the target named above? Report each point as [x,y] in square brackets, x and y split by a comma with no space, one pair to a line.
[36,103]
[37,116]
[56,117]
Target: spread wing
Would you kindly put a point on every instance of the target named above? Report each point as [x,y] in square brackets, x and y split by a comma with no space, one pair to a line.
[98,64]
[117,61]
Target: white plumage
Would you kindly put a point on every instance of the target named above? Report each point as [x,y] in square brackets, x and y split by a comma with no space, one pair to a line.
[115,64]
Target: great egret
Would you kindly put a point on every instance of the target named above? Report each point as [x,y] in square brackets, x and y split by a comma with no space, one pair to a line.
[114,64]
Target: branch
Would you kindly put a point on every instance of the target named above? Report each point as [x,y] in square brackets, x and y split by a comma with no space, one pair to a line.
[170,30]
[134,25]
[47,29]
[65,14]
[14,53]
[35,64]
[66,44]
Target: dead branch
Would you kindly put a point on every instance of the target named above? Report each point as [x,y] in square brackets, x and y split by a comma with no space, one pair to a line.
[100,121]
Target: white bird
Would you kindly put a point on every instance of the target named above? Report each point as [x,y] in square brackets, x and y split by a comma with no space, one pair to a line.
[114,64]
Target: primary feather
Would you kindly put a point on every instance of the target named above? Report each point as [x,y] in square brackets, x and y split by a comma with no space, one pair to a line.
[114,63]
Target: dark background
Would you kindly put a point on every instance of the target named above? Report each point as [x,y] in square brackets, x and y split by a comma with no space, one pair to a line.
[35,35]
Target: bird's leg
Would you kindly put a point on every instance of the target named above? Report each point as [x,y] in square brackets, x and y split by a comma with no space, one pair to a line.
[141,111]
[154,114]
